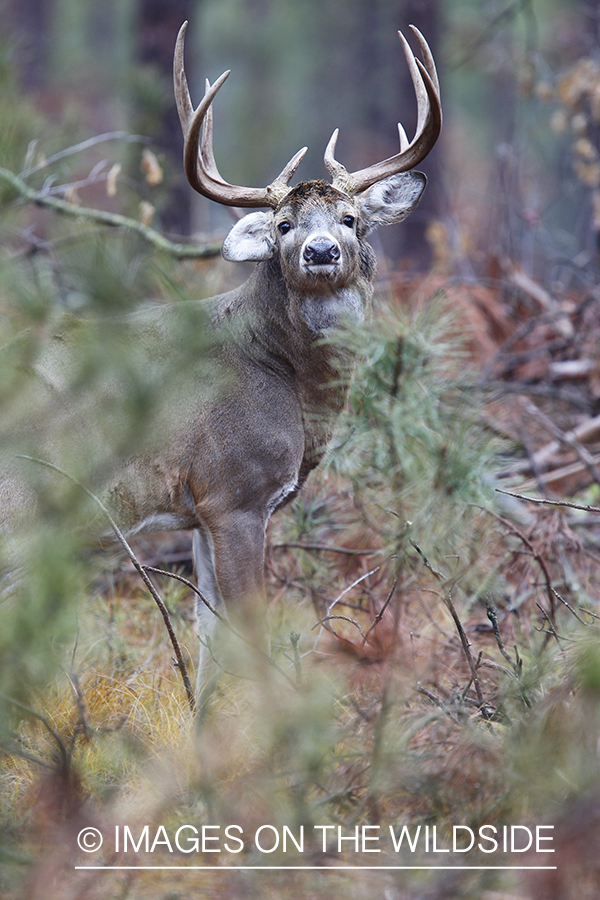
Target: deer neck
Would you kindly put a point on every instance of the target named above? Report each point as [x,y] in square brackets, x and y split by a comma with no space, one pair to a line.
[302,329]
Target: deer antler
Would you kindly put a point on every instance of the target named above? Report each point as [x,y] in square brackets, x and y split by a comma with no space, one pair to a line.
[429,124]
[198,157]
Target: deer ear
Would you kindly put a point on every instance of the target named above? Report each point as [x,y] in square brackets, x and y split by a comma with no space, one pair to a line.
[391,200]
[250,239]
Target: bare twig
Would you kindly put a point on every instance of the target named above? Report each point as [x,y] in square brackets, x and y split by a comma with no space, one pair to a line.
[41,198]
[522,537]
[219,616]
[379,615]
[323,622]
[437,702]
[324,547]
[345,619]
[552,632]
[492,615]
[447,599]
[466,648]
[64,754]
[574,612]
[545,501]
[83,145]
[426,563]
[139,569]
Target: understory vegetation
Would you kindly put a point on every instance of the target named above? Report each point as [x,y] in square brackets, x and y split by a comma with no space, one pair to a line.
[434,591]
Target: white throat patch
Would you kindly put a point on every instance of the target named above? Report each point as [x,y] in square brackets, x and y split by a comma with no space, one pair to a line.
[322,312]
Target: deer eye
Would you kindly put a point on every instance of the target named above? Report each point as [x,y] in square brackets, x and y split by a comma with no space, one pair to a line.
[284,227]
[348,221]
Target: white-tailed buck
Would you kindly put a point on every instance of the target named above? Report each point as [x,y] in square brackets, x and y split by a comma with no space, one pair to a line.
[243,454]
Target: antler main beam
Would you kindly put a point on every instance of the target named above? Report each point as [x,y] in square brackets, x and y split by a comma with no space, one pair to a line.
[429,124]
[203,174]
[198,157]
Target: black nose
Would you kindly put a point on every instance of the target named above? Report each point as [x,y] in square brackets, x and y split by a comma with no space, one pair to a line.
[321,252]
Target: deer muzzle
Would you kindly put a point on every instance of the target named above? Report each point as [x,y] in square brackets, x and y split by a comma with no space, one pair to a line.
[321,251]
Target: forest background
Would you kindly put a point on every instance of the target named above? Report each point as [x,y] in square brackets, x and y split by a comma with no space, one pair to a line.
[435,657]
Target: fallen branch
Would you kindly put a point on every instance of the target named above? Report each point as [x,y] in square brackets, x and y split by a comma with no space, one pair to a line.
[583,433]
[568,471]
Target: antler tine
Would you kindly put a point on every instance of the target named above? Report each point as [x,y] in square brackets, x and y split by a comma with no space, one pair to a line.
[206,145]
[198,156]
[404,142]
[429,124]
[335,169]
[418,85]
[182,93]
[427,57]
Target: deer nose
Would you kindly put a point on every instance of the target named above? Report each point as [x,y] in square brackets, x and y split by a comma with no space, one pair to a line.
[321,251]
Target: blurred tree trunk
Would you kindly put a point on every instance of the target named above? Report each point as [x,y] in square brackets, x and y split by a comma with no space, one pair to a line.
[155,28]
[374,92]
[29,21]
[426,16]
[383,88]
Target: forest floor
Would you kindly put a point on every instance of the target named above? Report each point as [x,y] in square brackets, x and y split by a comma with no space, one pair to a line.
[437,675]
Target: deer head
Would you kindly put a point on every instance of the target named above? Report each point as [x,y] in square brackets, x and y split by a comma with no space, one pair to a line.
[316,229]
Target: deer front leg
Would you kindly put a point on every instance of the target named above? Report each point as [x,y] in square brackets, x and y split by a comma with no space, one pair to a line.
[229,564]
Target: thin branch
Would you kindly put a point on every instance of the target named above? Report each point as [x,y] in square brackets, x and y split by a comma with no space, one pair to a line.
[437,702]
[322,622]
[115,220]
[426,562]
[379,615]
[447,599]
[537,556]
[466,649]
[492,615]
[484,36]
[83,145]
[139,569]
[324,547]
[36,715]
[350,586]
[223,619]
[546,502]
[15,750]
[573,611]
[345,619]
[553,632]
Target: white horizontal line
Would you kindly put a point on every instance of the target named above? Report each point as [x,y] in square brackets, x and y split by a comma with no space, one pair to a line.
[321,868]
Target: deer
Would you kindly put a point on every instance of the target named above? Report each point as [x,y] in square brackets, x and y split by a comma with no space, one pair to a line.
[250,446]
